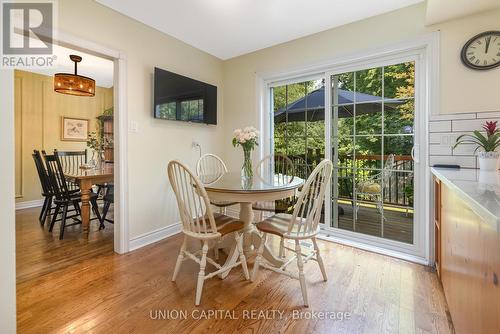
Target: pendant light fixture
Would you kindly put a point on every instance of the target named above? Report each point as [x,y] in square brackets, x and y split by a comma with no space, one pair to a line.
[74,84]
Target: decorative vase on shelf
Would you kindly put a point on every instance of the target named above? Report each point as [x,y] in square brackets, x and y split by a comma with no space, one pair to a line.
[246,169]
[488,161]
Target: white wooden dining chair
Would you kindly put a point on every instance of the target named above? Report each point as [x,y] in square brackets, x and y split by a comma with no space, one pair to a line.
[302,224]
[209,168]
[280,167]
[200,223]
[372,187]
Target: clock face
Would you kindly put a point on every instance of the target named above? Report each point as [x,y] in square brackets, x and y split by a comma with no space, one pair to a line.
[482,52]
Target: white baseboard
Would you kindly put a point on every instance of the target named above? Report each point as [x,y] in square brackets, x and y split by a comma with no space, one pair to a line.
[29,204]
[154,236]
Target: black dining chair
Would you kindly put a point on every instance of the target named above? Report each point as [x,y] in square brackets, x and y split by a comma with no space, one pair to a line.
[109,198]
[63,197]
[71,162]
[44,182]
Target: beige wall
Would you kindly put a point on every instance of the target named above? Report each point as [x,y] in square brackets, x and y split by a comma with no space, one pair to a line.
[462,90]
[151,200]
[38,113]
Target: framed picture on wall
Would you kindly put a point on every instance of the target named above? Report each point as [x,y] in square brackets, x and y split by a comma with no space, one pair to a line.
[74,129]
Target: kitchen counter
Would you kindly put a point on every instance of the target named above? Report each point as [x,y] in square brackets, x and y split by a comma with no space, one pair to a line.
[479,189]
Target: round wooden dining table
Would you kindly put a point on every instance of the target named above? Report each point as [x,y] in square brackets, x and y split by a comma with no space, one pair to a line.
[229,187]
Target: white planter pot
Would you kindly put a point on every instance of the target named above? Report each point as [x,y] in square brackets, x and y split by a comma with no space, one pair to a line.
[488,160]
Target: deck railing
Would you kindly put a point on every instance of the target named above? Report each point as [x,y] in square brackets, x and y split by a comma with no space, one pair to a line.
[352,171]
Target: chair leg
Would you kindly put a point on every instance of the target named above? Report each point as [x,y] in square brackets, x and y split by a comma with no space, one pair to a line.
[258,259]
[302,278]
[44,208]
[282,248]
[319,260]
[243,260]
[201,274]
[63,222]
[180,259]
[104,214]
[54,217]
[95,208]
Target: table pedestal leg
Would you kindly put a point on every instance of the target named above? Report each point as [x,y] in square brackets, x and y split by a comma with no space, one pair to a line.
[85,190]
[251,240]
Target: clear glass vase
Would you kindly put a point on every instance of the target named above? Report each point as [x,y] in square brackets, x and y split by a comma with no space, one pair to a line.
[246,169]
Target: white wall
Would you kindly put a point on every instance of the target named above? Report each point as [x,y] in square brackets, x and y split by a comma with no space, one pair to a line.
[151,201]
[7,208]
[461,89]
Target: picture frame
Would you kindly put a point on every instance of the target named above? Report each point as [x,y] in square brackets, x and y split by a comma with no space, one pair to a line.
[74,129]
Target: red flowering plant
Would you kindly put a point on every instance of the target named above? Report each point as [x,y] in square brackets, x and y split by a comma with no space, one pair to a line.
[488,143]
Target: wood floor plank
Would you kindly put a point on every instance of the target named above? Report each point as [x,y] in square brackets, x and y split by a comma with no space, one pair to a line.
[79,286]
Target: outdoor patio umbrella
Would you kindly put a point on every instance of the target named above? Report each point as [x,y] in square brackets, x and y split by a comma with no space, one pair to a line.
[314,103]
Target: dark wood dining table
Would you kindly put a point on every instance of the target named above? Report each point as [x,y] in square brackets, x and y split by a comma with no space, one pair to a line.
[86,178]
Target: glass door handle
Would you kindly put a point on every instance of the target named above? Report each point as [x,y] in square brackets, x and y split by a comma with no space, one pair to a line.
[415,156]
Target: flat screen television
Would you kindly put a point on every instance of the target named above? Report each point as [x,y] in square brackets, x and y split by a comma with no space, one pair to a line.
[180,98]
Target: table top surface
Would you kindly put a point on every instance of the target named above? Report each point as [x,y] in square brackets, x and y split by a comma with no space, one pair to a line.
[106,171]
[232,182]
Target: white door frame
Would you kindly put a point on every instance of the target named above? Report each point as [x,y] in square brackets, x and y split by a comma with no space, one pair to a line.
[121,225]
[424,49]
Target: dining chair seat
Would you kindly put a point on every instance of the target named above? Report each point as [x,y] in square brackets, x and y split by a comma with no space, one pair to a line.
[279,224]
[226,224]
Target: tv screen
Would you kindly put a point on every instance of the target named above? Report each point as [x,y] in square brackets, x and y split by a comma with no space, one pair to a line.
[180,98]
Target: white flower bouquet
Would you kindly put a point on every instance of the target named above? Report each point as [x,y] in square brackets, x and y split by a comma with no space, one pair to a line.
[247,138]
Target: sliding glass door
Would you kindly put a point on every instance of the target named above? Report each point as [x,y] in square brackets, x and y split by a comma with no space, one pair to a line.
[365,119]
[372,138]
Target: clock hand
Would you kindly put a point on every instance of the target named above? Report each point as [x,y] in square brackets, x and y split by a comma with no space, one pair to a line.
[488,40]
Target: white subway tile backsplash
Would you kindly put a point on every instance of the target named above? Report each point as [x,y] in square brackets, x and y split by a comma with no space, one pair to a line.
[492,114]
[465,149]
[462,161]
[439,149]
[468,125]
[440,126]
[452,116]
[443,133]
[434,138]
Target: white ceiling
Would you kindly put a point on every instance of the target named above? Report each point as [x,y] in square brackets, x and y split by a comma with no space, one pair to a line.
[97,68]
[229,28]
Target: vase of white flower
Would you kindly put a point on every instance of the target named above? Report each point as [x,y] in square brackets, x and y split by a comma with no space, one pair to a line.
[247,139]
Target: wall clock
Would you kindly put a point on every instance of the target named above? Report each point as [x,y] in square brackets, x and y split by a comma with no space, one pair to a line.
[482,52]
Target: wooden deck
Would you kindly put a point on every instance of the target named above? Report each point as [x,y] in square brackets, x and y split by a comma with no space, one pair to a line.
[397,225]
[81,286]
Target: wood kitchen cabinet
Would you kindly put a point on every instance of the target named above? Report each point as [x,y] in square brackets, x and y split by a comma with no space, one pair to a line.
[467,262]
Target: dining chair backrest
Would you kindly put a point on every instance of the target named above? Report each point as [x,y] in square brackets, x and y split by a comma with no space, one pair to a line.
[278,165]
[211,165]
[192,200]
[72,160]
[42,173]
[307,211]
[56,178]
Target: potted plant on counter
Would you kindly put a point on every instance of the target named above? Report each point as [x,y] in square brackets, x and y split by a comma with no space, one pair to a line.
[488,157]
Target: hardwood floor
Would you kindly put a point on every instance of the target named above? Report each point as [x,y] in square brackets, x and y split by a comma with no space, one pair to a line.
[78,286]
